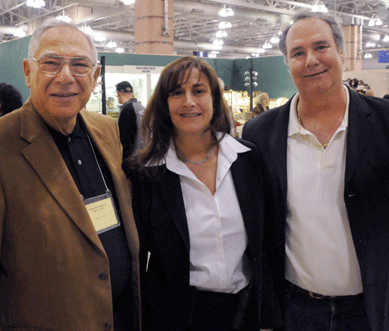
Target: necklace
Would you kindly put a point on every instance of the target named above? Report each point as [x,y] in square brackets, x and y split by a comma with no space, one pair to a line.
[185,160]
[303,136]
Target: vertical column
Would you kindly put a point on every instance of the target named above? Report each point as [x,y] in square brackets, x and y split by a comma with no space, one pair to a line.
[153,27]
[353,59]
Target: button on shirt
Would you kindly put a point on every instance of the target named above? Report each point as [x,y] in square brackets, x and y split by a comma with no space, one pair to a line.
[218,237]
[320,254]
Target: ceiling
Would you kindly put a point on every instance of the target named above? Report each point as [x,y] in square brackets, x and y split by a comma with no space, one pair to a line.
[196,21]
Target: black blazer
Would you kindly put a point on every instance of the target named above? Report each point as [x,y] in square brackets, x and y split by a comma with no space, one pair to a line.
[366,194]
[160,214]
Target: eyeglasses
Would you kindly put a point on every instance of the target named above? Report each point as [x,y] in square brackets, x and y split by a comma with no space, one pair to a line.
[52,65]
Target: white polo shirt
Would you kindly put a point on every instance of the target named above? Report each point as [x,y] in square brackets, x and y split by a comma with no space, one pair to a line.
[320,253]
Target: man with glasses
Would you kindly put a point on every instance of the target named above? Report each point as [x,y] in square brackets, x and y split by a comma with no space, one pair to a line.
[68,241]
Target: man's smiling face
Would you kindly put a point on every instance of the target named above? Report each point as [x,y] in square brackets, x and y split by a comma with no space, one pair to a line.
[61,96]
[313,57]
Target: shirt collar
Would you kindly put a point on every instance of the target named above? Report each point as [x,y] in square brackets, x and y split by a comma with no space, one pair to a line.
[228,148]
[293,127]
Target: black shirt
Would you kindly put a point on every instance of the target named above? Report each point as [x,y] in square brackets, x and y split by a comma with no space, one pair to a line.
[80,160]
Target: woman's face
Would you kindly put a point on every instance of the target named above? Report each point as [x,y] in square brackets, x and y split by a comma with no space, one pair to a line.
[190,105]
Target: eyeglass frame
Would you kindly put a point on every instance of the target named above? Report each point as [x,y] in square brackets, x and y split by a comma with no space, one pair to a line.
[63,62]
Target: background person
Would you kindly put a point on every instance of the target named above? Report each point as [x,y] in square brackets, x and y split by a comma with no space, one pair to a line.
[10,99]
[199,207]
[261,103]
[129,119]
[327,165]
[69,245]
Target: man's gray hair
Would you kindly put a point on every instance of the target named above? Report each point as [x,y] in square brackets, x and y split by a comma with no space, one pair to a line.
[330,20]
[51,23]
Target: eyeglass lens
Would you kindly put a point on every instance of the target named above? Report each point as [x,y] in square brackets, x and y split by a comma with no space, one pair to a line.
[53,64]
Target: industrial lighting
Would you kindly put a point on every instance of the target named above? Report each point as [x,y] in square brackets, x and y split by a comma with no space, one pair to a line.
[128,2]
[370,44]
[221,34]
[99,37]
[368,56]
[386,38]
[319,7]
[267,45]
[119,50]
[87,29]
[225,12]
[225,25]
[36,3]
[275,39]
[374,21]
[19,33]
[218,42]
[112,44]
[64,17]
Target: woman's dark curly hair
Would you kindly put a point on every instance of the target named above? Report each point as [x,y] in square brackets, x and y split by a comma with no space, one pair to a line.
[157,126]
[10,99]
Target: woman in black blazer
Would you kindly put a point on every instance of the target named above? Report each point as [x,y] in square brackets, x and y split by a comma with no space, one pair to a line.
[199,204]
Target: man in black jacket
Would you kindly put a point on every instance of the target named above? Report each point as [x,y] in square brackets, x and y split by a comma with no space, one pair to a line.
[326,156]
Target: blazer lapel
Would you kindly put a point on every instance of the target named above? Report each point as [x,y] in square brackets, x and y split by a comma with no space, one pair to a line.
[249,197]
[170,189]
[277,140]
[359,130]
[43,155]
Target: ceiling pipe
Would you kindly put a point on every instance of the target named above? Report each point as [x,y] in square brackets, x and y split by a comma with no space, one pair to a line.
[200,8]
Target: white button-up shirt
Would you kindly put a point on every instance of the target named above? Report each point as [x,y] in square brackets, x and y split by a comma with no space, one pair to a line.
[218,237]
[320,254]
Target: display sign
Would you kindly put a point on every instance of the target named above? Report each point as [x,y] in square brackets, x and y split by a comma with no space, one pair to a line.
[383,56]
[200,54]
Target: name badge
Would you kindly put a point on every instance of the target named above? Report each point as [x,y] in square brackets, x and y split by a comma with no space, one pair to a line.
[102,212]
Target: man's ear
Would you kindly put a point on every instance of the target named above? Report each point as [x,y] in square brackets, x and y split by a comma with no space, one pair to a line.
[27,72]
[96,75]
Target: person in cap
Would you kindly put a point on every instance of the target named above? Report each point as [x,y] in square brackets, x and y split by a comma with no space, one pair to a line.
[129,119]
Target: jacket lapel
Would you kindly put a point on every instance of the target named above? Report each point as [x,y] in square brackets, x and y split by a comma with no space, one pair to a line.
[249,198]
[359,130]
[44,156]
[277,140]
[170,189]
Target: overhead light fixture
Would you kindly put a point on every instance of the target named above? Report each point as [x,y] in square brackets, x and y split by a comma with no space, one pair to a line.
[369,44]
[255,55]
[275,39]
[99,37]
[319,7]
[225,12]
[19,33]
[87,29]
[36,3]
[267,45]
[374,21]
[128,2]
[368,56]
[64,17]
[221,34]
[225,25]
[386,38]
[112,44]
[218,42]
[119,50]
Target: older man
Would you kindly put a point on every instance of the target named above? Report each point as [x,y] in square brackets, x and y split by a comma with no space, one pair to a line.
[326,155]
[69,246]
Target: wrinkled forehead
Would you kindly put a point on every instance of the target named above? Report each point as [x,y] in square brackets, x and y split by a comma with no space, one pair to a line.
[64,41]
